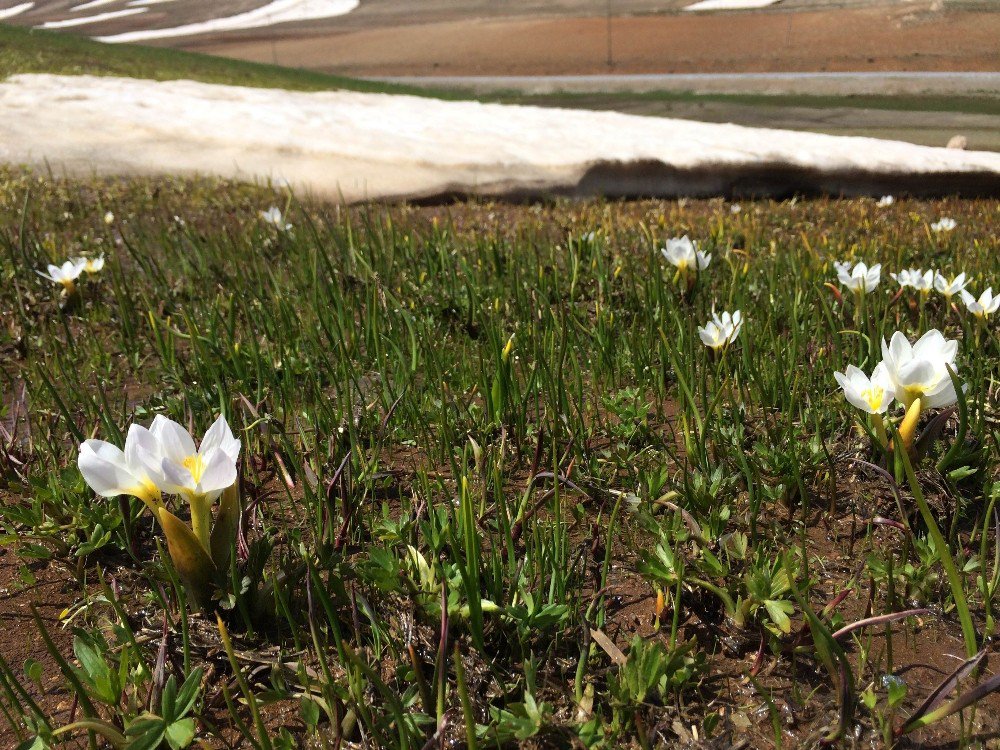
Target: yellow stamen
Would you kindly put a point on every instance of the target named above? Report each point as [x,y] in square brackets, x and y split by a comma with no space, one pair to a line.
[195,465]
[873,397]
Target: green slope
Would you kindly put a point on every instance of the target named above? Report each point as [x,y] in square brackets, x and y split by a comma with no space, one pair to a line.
[37,51]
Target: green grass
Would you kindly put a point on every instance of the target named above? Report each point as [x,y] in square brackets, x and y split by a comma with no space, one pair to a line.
[507,411]
[39,51]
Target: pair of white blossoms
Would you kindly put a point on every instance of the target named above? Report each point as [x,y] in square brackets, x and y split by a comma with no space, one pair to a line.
[907,372]
[70,271]
[163,459]
[685,256]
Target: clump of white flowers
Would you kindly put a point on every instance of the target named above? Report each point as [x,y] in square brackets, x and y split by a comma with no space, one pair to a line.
[918,376]
[922,281]
[163,459]
[885,201]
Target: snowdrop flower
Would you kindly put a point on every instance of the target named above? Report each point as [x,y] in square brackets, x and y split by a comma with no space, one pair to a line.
[66,274]
[920,370]
[859,279]
[922,281]
[273,216]
[685,255]
[199,475]
[949,287]
[110,471]
[983,307]
[885,201]
[872,395]
[721,330]
[944,224]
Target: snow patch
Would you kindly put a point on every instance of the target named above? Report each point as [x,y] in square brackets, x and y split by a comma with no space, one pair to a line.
[277,11]
[15,10]
[730,4]
[92,4]
[66,23]
[359,146]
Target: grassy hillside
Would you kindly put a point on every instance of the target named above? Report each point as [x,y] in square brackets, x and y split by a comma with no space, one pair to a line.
[37,51]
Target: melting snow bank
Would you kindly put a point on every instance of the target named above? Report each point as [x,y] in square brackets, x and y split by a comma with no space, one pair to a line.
[729,4]
[276,11]
[359,146]
[15,10]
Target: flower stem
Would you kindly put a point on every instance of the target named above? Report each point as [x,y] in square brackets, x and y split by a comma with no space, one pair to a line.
[201,519]
[944,554]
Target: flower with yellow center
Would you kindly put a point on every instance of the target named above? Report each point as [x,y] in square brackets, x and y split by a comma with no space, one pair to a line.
[66,274]
[949,287]
[861,278]
[721,330]
[199,475]
[92,265]
[110,471]
[872,395]
[984,305]
[920,370]
[684,254]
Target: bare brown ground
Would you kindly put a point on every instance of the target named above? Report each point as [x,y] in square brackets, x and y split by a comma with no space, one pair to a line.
[906,37]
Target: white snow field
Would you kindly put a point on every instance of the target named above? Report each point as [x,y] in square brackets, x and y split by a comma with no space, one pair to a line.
[729,4]
[15,10]
[277,11]
[354,146]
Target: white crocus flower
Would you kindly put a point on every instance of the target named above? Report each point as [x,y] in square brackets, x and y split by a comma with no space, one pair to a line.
[885,201]
[920,370]
[199,475]
[685,255]
[984,306]
[721,330]
[273,216]
[66,274]
[922,281]
[110,471]
[949,287]
[859,279]
[944,224]
[92,265]
[109,218]
[872,395]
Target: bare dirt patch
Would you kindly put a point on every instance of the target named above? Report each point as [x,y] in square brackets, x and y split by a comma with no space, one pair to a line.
[898,37]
